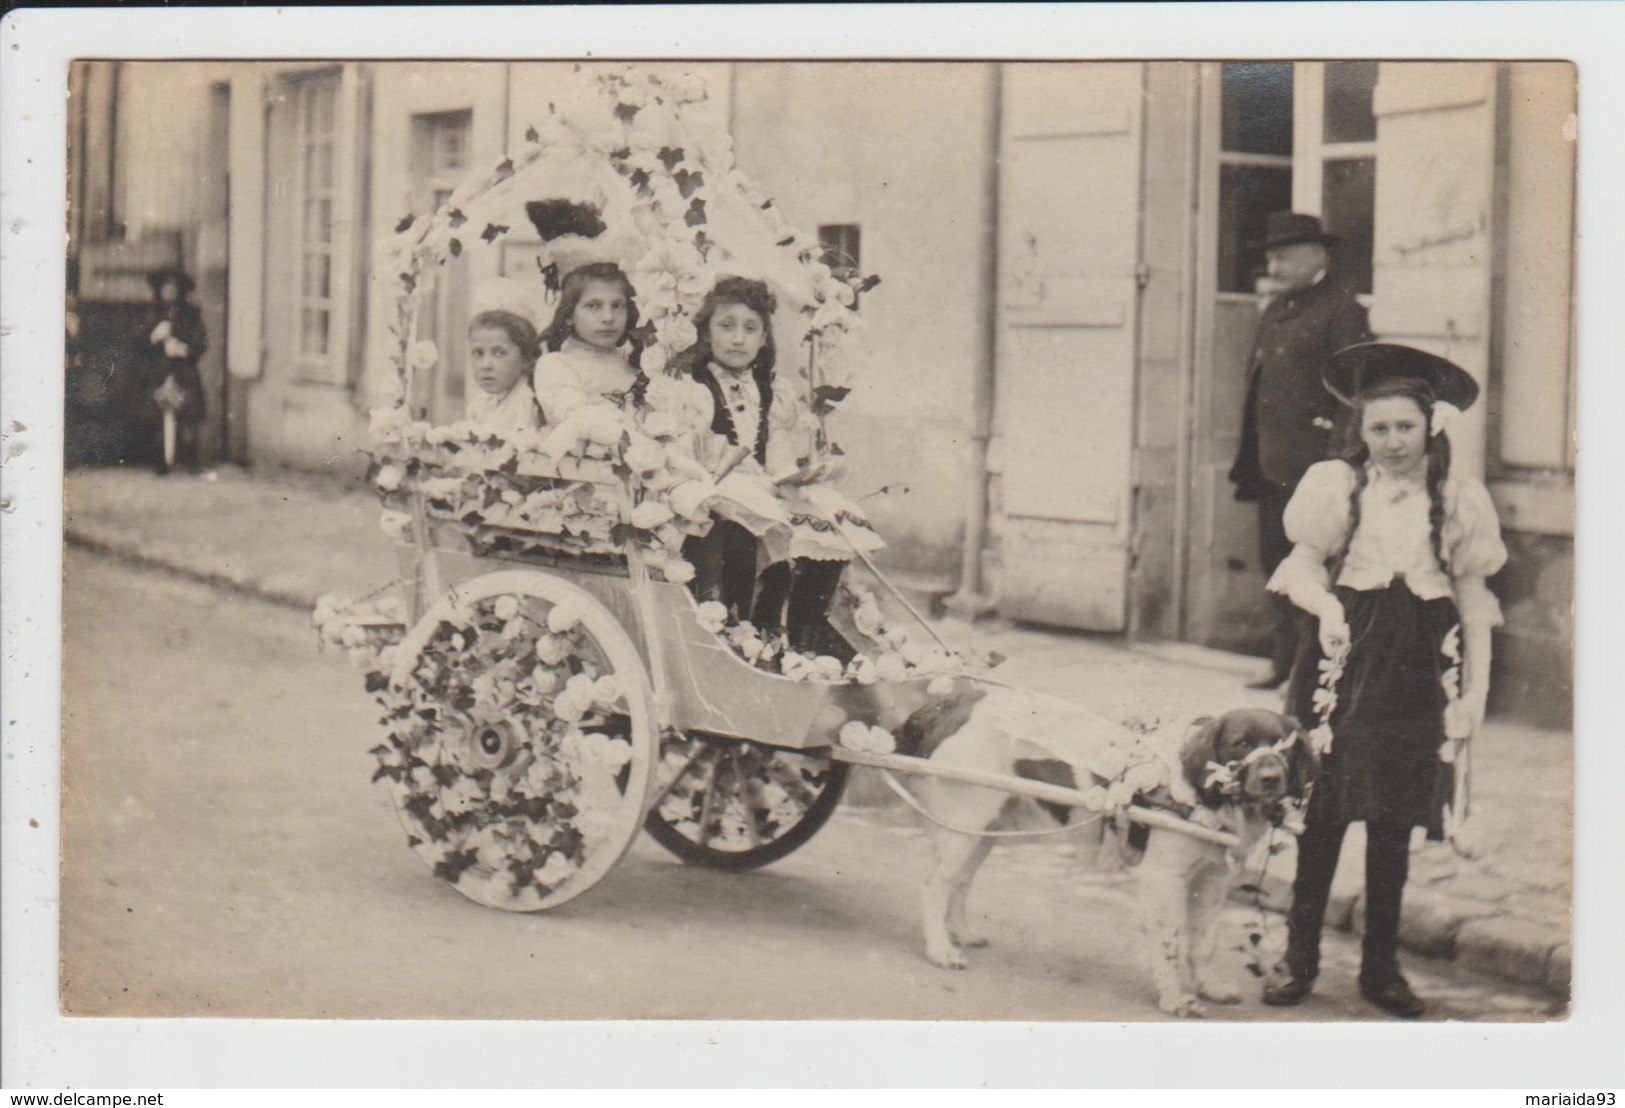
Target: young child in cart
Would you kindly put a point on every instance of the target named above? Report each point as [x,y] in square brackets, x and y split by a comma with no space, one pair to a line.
[767,431]
[503,346]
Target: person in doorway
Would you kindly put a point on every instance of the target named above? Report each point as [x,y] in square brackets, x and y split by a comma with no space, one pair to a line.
[172,341]
[1390,555]
[1287,421]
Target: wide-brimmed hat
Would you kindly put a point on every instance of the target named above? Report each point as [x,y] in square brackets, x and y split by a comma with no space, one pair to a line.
[1289,228]
[1355,370]
[157,278]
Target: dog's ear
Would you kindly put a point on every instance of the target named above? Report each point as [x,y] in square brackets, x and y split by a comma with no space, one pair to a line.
[1200,747]
[1303,764]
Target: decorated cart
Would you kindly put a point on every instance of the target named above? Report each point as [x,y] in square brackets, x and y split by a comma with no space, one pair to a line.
[549,685]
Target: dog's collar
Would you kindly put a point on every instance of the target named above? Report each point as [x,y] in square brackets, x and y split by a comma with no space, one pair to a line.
[1227,777]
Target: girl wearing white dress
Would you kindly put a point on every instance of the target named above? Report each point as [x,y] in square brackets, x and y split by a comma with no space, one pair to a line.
[591,356]
[502,349]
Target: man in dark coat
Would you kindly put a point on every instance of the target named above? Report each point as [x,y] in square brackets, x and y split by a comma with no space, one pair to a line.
[1287,423]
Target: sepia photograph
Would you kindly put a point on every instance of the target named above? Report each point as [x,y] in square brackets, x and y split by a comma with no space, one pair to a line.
[694,538]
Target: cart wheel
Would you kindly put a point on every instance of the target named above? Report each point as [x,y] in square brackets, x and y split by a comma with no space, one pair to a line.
[737,805]
[521,748]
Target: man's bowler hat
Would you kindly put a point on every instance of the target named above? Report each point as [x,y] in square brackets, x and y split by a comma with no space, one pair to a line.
[1289,228]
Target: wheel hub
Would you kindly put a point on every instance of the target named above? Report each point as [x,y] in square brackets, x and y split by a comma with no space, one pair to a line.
[494,745]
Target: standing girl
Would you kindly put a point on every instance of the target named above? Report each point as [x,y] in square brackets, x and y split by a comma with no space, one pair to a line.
[173,341]
[591,356]
[1391,554]
[502,349]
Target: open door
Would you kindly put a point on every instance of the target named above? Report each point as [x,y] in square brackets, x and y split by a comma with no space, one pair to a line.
[1069,233]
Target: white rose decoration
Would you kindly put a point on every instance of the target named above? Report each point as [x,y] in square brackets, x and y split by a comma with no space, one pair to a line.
[712,616]
[679,572]
[551,650]
[423,355]
[564,617]
[394,523]
[651,514]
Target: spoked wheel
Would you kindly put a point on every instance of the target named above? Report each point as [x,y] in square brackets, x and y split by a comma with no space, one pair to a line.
[522,740]
[736,805]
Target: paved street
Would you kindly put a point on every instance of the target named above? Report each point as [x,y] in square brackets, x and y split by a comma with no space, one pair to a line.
[224,854]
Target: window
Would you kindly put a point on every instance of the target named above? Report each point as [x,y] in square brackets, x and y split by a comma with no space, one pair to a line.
[841,242]
[440,142]
[315,103]
[1348,171]
[440,153]
[1255,165]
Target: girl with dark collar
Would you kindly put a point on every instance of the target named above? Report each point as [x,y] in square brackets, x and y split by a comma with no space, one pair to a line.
[732,359]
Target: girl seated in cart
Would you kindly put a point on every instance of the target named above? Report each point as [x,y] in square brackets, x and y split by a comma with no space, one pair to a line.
[768,432]
[591,354]
[502,349]
[593,359]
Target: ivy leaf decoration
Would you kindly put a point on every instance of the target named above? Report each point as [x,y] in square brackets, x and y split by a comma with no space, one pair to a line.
[696,213]
[825,397]
[405,224]
[836,451]
[786,240]
[409,281]
[766,204]
[868,283]
[626,112]
[492,230]
[644,333]
[688,181]
[702,244]
[451,867]
[455,218]
[504,169]
[377,681]
[532,134]
[455,246]
[669,157]
[640,181]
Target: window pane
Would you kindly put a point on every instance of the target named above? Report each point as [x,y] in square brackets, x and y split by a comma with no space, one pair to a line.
[313,331]
[1349,86]
[327,104]
[1255,106]
[1348,197]
[318,277]
[1247,195]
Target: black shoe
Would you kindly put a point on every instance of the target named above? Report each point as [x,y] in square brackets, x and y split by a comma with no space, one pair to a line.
[1393,995]
[1285,987]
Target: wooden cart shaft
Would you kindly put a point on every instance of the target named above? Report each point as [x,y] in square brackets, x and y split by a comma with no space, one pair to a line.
[1022,786]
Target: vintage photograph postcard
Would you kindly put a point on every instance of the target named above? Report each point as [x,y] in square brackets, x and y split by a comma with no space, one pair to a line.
[692,538]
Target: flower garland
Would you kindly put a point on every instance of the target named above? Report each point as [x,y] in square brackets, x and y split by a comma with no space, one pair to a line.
[673,158]
[1324,701]
[503,747]
[366,628]
[1450,681]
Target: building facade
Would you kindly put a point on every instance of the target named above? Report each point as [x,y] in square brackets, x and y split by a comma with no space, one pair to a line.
[1055,362]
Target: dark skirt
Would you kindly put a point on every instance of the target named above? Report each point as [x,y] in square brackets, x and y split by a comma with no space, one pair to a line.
[1388,725]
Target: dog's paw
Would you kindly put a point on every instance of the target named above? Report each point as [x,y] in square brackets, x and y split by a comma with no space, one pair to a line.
[1185,1007]
[1221,991]
[952,957]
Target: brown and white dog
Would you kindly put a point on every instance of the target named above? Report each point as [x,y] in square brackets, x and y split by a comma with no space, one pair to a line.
[1234,773]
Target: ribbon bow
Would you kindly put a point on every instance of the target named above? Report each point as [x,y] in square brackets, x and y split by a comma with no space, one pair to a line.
[1444,413]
